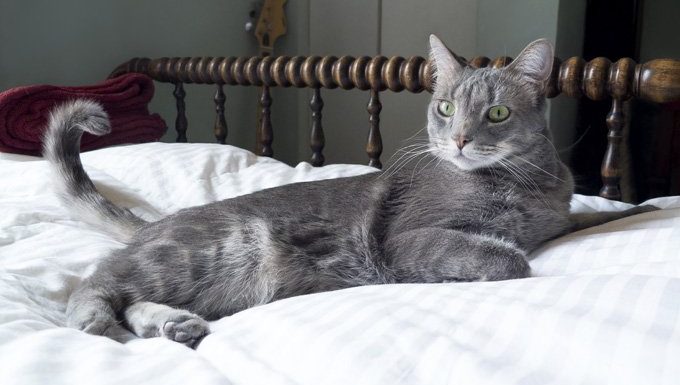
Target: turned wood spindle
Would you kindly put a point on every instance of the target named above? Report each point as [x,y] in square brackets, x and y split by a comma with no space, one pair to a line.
[220,119]
[181,120]
[611,169]
[265,135]
[316,139]
[374,144]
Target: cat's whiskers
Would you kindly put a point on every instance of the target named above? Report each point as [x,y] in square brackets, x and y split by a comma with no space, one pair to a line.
[415,168]
[409,153]
[539,168]
[555,151]
[512,169]
[406,150]
[509,154]
[518,178]
[523,173]
[416,143]
[414,135]
[410,148]
[406,162]
[405,159]
[525,179]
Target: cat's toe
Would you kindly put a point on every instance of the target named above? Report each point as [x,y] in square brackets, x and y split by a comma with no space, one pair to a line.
[187,329]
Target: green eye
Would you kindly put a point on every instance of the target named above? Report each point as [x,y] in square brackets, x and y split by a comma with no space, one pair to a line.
[498,113]
[446,108]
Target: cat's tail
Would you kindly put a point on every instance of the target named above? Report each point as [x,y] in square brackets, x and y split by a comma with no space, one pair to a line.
[61,146]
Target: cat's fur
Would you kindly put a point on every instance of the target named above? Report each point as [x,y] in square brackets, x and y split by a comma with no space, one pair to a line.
[468,215]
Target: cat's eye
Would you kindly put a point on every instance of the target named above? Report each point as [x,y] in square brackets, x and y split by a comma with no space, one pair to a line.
[446,108]
[498,113]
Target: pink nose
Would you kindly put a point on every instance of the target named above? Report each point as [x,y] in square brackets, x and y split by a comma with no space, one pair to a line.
[461,141]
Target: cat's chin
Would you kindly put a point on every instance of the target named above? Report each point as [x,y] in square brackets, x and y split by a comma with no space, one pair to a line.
[468,161]
[467,164]
[464,163]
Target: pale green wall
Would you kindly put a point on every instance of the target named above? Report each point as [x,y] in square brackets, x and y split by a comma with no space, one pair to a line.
[79,42]
[505,27]
[660,37]
[401,27]
[371,27]
[406,26]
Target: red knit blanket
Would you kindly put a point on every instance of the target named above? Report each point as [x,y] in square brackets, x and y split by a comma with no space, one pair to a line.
[24,112]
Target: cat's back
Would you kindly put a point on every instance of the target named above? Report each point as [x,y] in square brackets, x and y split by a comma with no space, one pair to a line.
[331,203]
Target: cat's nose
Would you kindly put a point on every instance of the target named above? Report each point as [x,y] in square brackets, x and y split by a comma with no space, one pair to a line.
[461,141]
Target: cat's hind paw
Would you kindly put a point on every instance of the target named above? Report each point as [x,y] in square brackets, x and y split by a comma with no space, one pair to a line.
[185,328]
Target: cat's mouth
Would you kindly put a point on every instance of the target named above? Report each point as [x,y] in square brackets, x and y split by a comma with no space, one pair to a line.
[468,159]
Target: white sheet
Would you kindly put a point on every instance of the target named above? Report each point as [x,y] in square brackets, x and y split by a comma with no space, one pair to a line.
[603,307]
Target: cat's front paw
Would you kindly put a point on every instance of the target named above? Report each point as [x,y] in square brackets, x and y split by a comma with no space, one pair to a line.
[643,209]
[459,280]
[185,328]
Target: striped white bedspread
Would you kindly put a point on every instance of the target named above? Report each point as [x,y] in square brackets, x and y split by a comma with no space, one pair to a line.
[603,307]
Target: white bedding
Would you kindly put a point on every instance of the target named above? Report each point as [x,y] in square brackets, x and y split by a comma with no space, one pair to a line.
[603,306]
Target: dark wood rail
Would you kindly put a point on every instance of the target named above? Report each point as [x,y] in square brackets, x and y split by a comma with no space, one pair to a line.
[655,81]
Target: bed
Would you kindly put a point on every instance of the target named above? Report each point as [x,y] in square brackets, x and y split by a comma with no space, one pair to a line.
[602,306]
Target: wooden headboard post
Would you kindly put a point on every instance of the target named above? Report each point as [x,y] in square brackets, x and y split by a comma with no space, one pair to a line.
[181,123]
[656,81]
[220,126]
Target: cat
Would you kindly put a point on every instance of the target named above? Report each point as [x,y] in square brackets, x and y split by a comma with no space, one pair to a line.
[495,191]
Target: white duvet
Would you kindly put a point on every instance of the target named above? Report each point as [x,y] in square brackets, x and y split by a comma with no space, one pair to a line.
[603,307]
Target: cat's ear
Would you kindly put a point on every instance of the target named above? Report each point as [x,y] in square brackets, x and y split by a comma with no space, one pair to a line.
[448,66]
[535,61]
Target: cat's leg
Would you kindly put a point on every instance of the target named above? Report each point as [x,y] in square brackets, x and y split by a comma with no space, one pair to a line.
[89,310]
[148,319]
[582,221]
[442,255]
[101,304]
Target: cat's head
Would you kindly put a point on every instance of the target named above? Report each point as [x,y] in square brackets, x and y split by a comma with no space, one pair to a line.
[477,117]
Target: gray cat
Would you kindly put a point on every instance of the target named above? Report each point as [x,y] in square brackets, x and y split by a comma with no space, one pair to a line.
[489,189]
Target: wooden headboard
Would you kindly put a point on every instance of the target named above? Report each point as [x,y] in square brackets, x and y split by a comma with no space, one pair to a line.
[656,81]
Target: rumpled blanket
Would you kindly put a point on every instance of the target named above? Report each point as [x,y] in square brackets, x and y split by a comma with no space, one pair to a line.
[24,112]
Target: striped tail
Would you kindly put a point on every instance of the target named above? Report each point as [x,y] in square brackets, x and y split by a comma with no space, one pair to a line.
[61,147]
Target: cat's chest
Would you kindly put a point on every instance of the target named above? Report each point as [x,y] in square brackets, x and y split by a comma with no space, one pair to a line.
[466,202]
[479,202]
